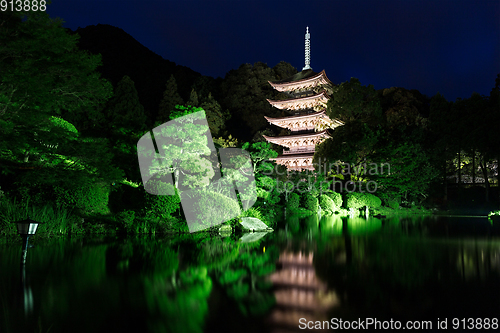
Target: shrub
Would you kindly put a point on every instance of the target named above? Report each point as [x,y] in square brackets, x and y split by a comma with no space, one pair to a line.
[293,201]
[358,200]
[253,212]
[211,207]
[37,194]
[271,197]
[326,203]
[355,200]
[372,200]
[393,204]
[127,197]
[161,206]
[337,199]
[272,214]
[258,214]
[127,217]
[89,199]
[310,202]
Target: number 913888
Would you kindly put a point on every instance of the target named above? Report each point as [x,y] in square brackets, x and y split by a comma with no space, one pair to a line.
[23,5]
[475,323]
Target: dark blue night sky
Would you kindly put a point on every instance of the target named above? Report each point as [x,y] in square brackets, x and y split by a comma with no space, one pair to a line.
[450,46]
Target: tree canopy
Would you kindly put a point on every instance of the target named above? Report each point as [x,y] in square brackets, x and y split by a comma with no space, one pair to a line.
[43,79]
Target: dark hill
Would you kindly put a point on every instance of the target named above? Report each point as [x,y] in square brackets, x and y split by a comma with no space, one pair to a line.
[123,55]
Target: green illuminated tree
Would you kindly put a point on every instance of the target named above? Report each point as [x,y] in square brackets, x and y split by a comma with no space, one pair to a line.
[186,142]
[383,127]
[260,152]
[42,75]
[48,90]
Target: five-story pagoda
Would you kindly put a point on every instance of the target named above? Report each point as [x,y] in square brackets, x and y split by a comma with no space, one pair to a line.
[308,93]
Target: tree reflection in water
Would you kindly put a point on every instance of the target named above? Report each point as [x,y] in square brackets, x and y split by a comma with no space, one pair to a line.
[325,268]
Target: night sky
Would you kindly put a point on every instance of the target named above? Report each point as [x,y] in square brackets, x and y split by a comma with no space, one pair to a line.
[450,46]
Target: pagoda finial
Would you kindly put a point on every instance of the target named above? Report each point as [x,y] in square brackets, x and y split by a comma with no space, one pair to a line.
[308,50]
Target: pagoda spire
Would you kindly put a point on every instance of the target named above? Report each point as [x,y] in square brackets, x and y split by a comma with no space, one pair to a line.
[308,50]
[307,97]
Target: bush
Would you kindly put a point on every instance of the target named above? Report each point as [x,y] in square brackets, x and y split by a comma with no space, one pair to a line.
[127,197]
[37,194]
[326,203]
[372,200]
[211,207]
[88,199]
[272,215]
[161,206]
[258,214]
[337,199]
[358,200]
[393,204]
[355,200]
[310,202]
[293,201]
[127,217]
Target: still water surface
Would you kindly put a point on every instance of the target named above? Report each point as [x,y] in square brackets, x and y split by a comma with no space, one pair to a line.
[419,268]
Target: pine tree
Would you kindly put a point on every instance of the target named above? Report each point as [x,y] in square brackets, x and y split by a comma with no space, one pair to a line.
[170,99]
[124,110]
[193,99]
[216,117]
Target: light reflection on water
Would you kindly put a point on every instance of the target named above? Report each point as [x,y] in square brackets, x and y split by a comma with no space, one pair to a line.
[311,267]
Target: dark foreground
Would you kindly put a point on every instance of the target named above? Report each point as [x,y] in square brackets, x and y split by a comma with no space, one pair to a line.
[333,273]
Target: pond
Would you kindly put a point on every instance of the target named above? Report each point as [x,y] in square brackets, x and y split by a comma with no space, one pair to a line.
[312,272]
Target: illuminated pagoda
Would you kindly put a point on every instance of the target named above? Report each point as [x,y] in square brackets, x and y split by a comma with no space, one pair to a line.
[308,93]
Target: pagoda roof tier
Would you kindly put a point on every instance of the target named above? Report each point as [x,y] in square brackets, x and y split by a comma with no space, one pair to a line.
[305,80]
[315,102]
[296,141]
[314,120]
[295,161]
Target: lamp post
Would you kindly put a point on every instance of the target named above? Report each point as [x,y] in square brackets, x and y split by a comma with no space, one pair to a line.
[26,228]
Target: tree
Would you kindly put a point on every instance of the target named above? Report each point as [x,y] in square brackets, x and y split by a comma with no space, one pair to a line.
[494,108]
[441,135]
[43,78]
[381,128]
[193,98]
[170,99]
[245,91]
[351,101]
[43,74]
[259,152]
[126,122]
[230,142]
[124,110]
[410,171]
[216,117]
[184,148]
[284,70]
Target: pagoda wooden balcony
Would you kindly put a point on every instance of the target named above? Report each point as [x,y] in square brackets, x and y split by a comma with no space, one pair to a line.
[299,151]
